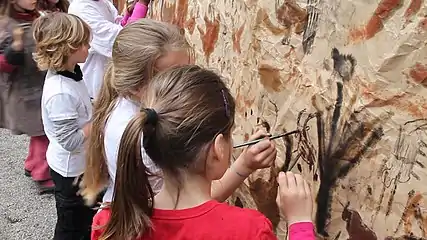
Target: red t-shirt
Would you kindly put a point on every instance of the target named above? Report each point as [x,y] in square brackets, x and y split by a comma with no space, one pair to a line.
[211,220]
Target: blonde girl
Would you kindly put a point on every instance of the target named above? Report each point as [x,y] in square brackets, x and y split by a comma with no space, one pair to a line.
[62,41]
[185,123]
[102,17]
[141,50]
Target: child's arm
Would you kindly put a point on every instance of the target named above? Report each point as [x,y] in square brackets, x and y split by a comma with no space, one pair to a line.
[301,231]
[125,19]
[12,51]
[139,11]
[296,204]
[258,156]
[104,32]
[62,111]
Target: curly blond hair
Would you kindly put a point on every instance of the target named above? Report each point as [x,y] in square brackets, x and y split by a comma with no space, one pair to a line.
[57,36]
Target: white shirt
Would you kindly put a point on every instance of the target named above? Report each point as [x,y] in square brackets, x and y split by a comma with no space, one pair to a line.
[102,17]
[64,99]
[121,115]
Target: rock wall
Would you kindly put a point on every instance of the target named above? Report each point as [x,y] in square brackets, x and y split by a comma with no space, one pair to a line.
[351,77]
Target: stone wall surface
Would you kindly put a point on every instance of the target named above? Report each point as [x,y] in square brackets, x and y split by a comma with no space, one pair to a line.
[351,77]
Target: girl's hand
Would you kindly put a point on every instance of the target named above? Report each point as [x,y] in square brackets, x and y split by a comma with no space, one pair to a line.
[258,156]
[87,129]
[294,198]
[18,43]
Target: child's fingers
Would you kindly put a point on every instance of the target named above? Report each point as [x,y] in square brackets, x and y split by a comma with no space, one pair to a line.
[291,181]
[282,179]
[270,159]
[259,147]
[17,33]
[278,196]
[299,180]
[307,189]
[258,134]
[262,152]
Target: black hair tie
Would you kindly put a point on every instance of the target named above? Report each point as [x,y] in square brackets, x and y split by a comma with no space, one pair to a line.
[152,116]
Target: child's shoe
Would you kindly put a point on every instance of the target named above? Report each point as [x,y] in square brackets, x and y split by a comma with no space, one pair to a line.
[27,173]
[46,187]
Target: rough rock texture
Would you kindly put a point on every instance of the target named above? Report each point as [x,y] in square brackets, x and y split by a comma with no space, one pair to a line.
[352,77]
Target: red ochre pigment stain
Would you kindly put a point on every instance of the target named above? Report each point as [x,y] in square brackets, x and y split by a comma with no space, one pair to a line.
[191,24]
[413,9]
[263,18]
[236,36]
[419,74]
[416,108]
[181,13]
[175,13]
[411,213]
[384,10]
[209,36]
[246,137]
[291,14]
[168,13]
[270,77]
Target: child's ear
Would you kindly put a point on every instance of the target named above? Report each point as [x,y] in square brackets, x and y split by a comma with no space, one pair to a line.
[221,147]
[218,158]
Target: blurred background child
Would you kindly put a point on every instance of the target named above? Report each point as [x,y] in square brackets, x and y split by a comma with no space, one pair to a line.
[21,84]
[53,5]
[103,19]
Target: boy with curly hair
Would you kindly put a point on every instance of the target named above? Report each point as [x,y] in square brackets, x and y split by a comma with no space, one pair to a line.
[62,41]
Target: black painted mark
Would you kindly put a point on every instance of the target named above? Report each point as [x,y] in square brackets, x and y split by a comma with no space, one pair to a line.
[291,16]
[369,190]
[266,125]
[304,148]
[288,141]
[343,64]
[311,27]
[238,203]
[299,167]
[343,150]
[408,150]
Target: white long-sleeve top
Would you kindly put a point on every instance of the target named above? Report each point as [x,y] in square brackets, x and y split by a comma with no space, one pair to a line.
[103,19]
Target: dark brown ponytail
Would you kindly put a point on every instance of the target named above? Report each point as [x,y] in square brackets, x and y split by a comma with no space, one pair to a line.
[130,220]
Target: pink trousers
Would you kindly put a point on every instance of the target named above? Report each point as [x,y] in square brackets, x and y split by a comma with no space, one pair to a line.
[36,161]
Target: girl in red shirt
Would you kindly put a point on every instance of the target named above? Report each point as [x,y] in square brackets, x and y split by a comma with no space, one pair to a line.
[186,123]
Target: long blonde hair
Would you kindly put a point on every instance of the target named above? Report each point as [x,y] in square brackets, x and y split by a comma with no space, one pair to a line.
[135,52]
[183,110]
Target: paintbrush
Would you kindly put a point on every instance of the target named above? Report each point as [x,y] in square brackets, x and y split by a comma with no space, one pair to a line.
[270,137]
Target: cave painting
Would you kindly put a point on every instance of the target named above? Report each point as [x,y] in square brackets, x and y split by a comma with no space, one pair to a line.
[350,76]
